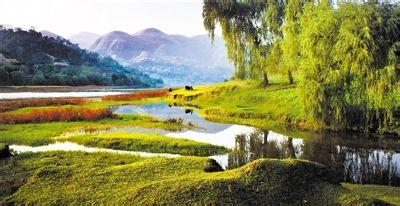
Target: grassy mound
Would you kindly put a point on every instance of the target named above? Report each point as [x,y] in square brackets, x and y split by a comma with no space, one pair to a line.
[147,143]
[77,178]
[381,192]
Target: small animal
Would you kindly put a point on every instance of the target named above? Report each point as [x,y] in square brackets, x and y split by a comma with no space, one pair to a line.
[188,88]
[170,90]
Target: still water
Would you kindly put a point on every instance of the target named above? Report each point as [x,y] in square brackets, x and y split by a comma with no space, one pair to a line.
[69,146]
[65,94]
[348,158]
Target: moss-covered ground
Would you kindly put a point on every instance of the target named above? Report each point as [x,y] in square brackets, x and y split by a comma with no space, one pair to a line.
[381,192]
[100,178]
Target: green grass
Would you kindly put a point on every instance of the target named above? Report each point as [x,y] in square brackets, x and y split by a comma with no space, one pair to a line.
[100,178]
[244,102]
[147,143]
[277,106]
[39,134]
[384,193]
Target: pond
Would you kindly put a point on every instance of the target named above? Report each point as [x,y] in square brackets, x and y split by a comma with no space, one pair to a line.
[348,158]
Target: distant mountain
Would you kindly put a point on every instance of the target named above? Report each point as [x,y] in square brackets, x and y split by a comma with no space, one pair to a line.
[51,34]
[84,39]
[176,59]
[33,58]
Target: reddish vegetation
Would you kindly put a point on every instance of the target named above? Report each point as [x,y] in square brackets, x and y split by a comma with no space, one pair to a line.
[137,95]
[9,105]
[57,114]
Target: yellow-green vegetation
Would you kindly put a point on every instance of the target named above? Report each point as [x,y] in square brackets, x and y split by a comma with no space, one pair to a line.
[99,178]
[381,192]
[345,54]
[38,134]
[146,143]
[246,103]
[277,106]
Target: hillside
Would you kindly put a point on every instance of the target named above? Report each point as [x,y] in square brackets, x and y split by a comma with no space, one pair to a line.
[176,59]
[33,58]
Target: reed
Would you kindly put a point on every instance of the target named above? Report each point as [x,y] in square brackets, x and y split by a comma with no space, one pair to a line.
[63,114]
[9,105]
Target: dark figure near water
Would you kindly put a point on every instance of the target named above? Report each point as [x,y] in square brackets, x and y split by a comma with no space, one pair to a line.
[170,90]
[188,88]
[187,111]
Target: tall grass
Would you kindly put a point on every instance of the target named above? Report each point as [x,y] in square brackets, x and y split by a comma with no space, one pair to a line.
[62,114]
[9,105]
[137,95]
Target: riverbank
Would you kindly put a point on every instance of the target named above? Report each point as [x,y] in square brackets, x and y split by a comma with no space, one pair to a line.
[100,178]
[105,178]
[277,106]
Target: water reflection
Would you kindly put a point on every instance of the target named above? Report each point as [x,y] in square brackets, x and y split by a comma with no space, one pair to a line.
[344,162]
[348,159]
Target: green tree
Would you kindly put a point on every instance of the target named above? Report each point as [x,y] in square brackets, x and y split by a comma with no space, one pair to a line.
[4,77]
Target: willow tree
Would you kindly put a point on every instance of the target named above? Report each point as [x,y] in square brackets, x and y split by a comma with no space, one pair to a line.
[345,83]
[250,29]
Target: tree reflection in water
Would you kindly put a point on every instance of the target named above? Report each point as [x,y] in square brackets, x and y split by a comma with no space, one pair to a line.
[346,161]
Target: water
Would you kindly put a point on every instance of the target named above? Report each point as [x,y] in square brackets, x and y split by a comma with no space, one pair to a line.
[65,94]
[348,158]
[69,146]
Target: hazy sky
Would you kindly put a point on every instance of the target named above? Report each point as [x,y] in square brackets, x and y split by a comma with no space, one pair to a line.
[66,17]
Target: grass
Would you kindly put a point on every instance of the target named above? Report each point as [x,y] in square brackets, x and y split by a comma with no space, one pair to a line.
[277,106]
[383,193]
[147,143]
[39,134]
[244,102]
[99,178]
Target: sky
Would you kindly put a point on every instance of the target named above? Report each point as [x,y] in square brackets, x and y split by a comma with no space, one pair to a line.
[67,17]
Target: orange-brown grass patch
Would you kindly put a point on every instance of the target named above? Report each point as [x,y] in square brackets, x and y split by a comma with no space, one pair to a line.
[137,95]
[57,115]
[9,105]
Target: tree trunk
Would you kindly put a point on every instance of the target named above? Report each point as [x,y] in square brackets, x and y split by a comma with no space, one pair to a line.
[265,79]
[290,77]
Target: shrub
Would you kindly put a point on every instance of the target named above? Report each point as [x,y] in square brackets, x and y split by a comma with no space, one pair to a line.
[57,115]
[9,105]
[137,95]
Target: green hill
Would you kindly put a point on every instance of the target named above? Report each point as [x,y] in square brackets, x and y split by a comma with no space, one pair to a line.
[28,58]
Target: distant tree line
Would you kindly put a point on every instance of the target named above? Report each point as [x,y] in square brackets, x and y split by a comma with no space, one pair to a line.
[28,58]
[347,55]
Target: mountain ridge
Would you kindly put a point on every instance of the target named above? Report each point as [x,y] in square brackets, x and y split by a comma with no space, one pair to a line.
[165,52]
